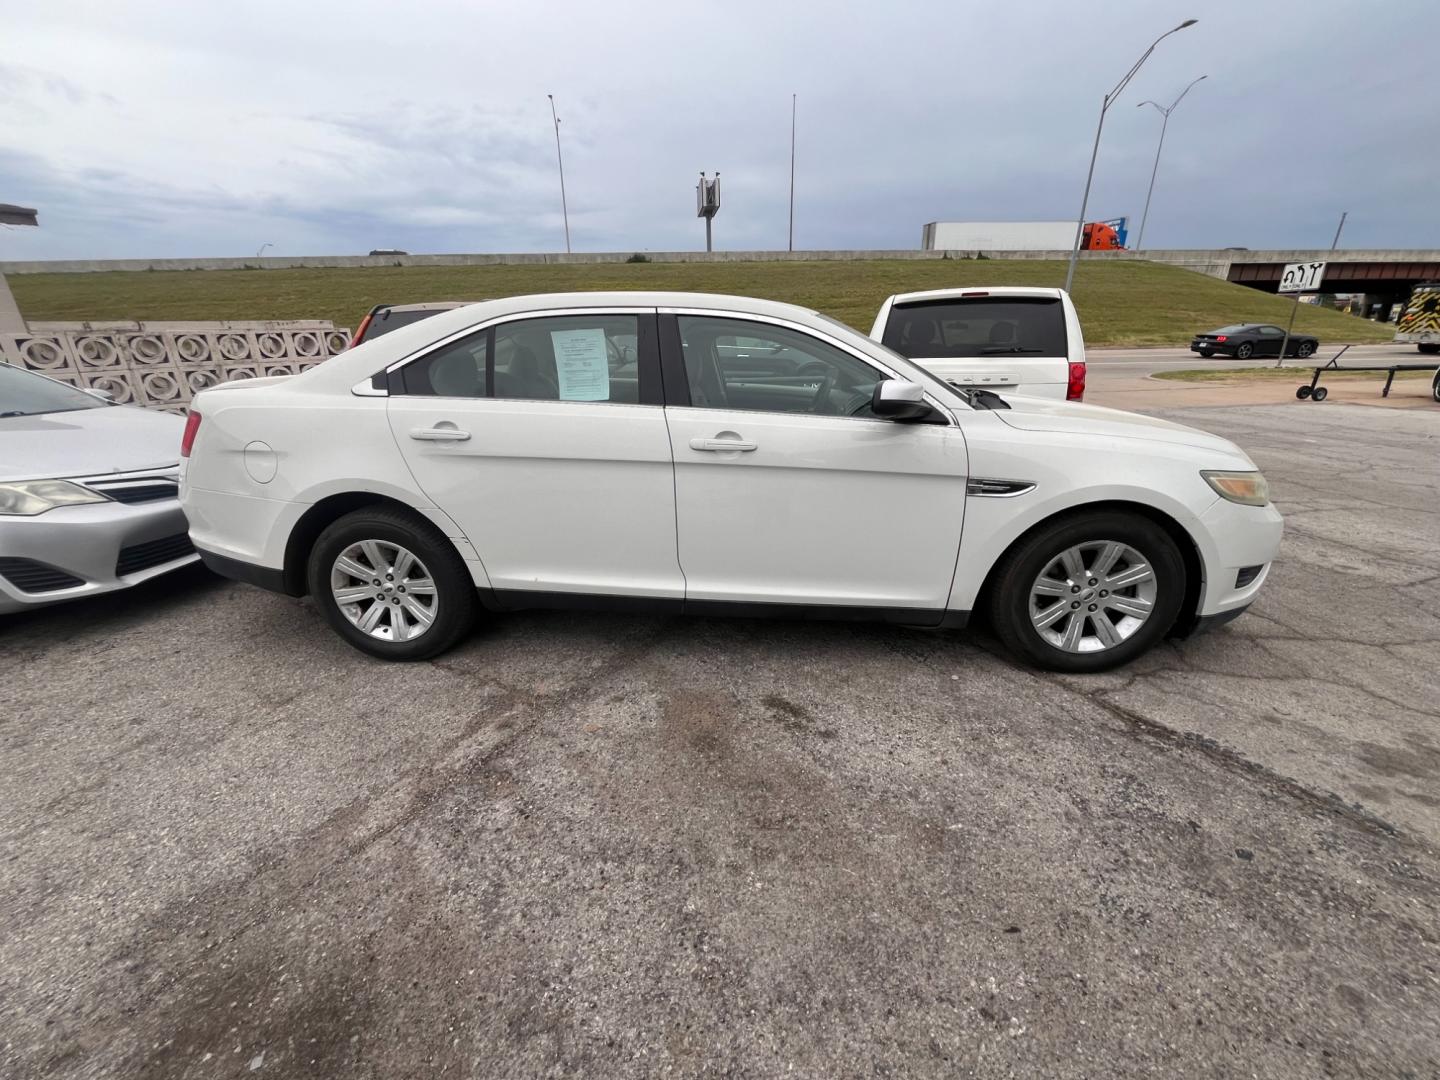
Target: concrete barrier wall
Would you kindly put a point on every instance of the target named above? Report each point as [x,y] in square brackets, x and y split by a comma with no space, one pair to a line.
[1214,262]
[163,365]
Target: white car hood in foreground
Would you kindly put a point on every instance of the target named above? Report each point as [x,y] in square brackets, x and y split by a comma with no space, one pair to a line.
[86,442]
[1042,414]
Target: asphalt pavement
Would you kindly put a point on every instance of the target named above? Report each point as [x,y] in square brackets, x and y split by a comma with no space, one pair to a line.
[619,846]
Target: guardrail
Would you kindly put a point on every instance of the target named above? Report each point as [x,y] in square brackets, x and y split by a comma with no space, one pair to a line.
[163,365]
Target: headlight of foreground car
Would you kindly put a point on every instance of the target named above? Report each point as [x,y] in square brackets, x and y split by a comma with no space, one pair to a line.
[1248,488]
[33,497]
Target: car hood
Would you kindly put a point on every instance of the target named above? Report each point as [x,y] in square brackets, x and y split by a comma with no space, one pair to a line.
[1044,414]
[118,438]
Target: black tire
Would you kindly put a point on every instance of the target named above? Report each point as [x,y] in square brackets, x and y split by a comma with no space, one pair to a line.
[1435,387]
[1303,392]
[1207,353]
[1306,348]
[1023,564]
[454,592]
[1429,348]
[1244,351]
[1320,394]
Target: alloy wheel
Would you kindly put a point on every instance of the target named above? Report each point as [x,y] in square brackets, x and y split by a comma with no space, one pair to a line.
[1092,596]
[384,590]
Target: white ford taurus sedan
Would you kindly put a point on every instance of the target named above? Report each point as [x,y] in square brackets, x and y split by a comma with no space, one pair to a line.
[711,455]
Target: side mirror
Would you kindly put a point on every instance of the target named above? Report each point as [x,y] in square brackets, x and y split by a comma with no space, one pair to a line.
[100,392]
[895,399]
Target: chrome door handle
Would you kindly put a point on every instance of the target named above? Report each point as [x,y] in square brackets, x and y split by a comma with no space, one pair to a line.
[721,445]
[439,434]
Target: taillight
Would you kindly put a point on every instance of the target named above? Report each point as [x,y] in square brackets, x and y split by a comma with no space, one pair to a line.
[1220,337]
[187,440]
[1075,387]
[360,333]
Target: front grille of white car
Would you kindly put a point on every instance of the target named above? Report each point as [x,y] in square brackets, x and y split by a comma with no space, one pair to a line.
[138,487]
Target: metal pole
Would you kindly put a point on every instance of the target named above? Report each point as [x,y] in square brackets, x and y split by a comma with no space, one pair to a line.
[1165,124]
[707,233]
[564,208]
[791,246]
[1090,176]
[1085,201]
[1280,361]
[1343,216]
[1140,242]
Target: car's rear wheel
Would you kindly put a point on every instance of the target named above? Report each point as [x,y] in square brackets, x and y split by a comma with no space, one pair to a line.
[1305,349]
[1244,351]
[1088,592]
[391,584]
[1207,353]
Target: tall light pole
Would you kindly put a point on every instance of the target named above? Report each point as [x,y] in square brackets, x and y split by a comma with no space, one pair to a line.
[1140,243]
[564,209]
[791,246]
[1090,176]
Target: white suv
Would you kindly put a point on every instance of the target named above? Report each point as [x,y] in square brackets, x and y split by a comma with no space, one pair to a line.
[716,455]
[1011,339]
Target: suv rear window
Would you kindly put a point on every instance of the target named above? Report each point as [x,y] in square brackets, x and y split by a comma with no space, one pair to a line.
[388,319]
[982,326]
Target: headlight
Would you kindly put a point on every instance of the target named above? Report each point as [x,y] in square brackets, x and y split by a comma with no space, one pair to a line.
[1249,488]
[31,497]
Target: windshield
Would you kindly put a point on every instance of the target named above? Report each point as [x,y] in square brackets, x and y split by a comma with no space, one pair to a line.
[23,393]
[983,326]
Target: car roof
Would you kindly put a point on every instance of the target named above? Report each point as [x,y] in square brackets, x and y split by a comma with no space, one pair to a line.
[975,291]
[430,305]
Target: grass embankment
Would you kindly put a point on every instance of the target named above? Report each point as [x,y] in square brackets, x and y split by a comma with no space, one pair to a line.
[1121,303]
[1288,374]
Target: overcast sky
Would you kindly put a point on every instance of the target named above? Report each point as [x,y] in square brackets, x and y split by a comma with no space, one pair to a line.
[150,129]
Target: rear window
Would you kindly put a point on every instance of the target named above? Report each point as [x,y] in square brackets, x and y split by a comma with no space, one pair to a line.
[389,319]
[982,326]
[1232,329]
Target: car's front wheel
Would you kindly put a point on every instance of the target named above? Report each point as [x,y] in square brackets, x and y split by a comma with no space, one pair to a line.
[1305,349]
[391,584]
[1244,351]
[1088,592]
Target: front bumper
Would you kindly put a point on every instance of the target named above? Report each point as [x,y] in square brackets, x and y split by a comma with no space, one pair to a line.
[1237,537]
[92,548]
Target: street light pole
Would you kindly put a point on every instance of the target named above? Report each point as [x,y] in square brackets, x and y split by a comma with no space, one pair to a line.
[1105,104]
[564,209]
[1140,243]
[792,174]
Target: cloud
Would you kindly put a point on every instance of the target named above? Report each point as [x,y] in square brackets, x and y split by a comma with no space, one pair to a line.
[152,130]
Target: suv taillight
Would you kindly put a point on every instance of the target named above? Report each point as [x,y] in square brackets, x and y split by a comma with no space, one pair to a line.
[1075,387]
[360,333]
[187,440]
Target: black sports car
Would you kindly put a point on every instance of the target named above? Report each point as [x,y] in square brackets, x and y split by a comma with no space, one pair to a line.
[1244,340]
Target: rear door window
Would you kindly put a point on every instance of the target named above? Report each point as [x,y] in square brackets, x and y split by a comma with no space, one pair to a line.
[589,358]
[981,326]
